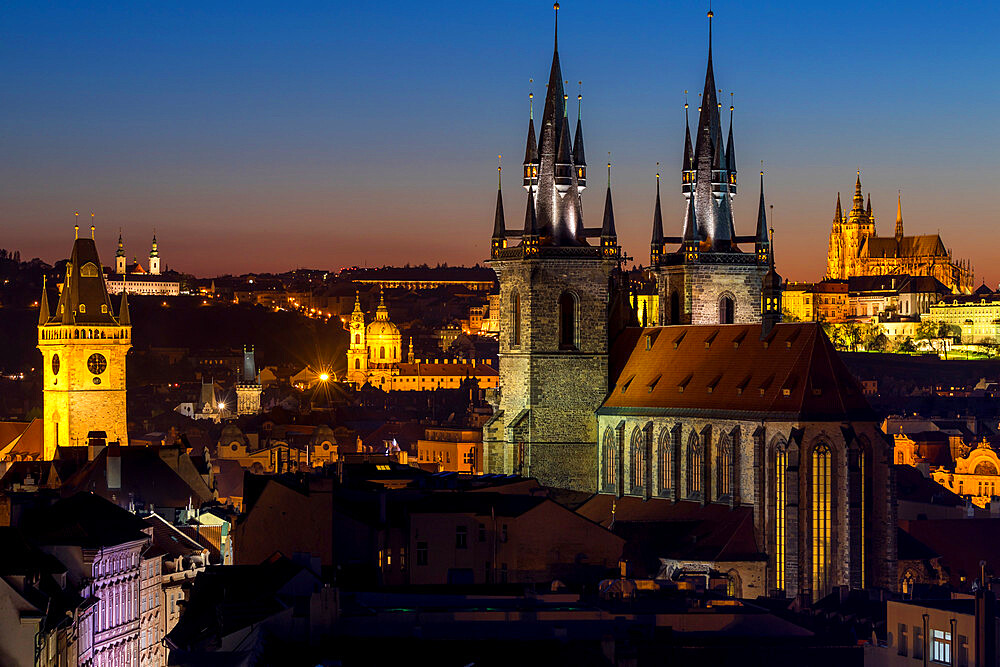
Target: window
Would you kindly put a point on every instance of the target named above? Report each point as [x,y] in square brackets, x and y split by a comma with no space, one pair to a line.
[780,463]
[421,553]
[461,537]
[609,460]
[675,308]
[727,308]
[567,321]
[357,364]
[901,639]
[663,462]
[907,585]
[357,339]
[725,467]
[381,353]
[515,319]
[637,461]
[821,515]
[695,467]
[941,646]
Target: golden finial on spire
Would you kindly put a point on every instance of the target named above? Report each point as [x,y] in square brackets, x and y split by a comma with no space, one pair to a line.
[92,227]
[76,225]
[657,173]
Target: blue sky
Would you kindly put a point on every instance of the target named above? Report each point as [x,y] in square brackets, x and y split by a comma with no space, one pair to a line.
[265,136]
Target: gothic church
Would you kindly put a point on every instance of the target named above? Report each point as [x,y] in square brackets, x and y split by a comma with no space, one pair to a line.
[723,406]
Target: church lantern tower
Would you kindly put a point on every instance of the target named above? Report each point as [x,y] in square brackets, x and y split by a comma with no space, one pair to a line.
[120,256]
[154,258]
[357,350]
[558,290]
[83,346]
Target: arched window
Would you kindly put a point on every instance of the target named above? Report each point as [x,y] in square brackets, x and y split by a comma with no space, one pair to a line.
[820,494]
[780,498]
[985,468]
[567,321]
[727,310]
[637,462]
[609,460]
[357,364]
[695,467]
[381,352]
[675,308]
[724,469]
[515,319]
[357,339]
[663,463]
[907,584]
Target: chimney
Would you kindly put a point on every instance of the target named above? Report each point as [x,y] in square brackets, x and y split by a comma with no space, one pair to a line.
[114,462]
[96,441]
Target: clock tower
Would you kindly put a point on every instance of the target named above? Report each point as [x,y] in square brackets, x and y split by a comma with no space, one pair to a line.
[83,346]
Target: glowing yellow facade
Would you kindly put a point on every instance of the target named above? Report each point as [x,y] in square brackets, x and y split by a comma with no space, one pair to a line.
[83,348]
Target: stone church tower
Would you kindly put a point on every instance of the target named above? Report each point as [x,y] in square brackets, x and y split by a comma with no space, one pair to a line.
[248,391]
[357,350]
[83,348]
[561,303]
[706,278]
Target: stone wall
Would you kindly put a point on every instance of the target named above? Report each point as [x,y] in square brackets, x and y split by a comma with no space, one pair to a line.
[702,286]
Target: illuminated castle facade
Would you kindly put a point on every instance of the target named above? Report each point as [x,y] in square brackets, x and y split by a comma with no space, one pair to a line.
[856,249]
[83,345]
[136,280]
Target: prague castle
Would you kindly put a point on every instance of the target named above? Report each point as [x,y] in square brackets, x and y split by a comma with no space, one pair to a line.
[136,280]
[856,249]
[722,412]
[83,345]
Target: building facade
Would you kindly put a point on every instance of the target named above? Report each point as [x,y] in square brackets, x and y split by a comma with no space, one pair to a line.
[970,319]
[136,280]
[856,249]
[83,345]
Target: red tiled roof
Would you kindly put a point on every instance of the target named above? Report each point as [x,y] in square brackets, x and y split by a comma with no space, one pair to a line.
[794,373]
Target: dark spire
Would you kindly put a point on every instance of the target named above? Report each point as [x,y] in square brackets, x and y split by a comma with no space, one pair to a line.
[868,208]
[730,150]
[499,228]
[656,243]
[531,148]
[761,238]
[530,218]
[84,298]
[838,215]
[579,159]
[121,245]
[43,305]
[859,199]
[724,228]
[708,152]
[124,318]
[688,163]
[770,295]
[608,226]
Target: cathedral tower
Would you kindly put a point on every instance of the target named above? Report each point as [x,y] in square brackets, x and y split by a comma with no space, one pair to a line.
[249,389]
[83,348]
[705,278]
[558,294]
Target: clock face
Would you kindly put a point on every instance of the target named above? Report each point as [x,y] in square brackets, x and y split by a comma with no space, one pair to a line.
[55,364]
[97,364]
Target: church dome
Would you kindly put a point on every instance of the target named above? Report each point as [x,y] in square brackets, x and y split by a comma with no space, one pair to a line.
[383,338]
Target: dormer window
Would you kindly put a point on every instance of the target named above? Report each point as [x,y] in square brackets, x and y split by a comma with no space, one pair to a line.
[83,308]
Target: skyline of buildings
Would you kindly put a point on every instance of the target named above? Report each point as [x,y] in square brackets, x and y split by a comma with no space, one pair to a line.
[802,128]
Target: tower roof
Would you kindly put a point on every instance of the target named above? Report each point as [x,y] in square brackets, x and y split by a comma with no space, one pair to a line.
[531,148]
[657,239]
[382,312]
[709,141]
[762,214]
[688,162]
[530,217]
[899,217]
[608,226]
[859,199]
[84,298]
[499,228]
[43,305]
[690,222]
[579,159]
[124,318]
[868,207]
[730,147]
[838,215]
[121,246]
[724,227]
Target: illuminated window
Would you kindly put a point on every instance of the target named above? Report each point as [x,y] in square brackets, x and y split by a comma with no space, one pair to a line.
[941,646]
[567,321]
[821,520]
[357,339]
[381,353]
[609,459]
[695,467]
[357,364]
[780,464]
[637,461]
[663,462]
[515,319]
[907,584]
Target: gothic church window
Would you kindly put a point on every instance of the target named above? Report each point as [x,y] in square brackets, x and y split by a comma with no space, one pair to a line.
[663,462]
[567,321]
[725,467]
[780,464]
[609,460]
[695,467]
[727,308]
[821,497]
[637,461]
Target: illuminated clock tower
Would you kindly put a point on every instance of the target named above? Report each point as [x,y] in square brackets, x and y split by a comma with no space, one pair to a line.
[83,346]
[357,352]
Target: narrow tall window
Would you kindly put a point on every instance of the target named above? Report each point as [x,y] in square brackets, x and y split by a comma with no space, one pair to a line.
[864,503]
[567,321]
[727,308]
[820,520]
[695,469]
[780,463]
[675,308]
[725,471]
[663,463]
[609,459]
[637,461]
[381,353]
[515,319]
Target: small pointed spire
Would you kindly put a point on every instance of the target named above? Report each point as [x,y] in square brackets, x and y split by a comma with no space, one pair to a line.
[899,216]
[730,149]
[529,239]
[868,208]
[92,227]
[859,199]
[657,240]
[691,236]
[579,159]
[688,163]
[499,226]
[724,227]
[838,215]
[762,214]
[608,227]
[43,305]
[124,318]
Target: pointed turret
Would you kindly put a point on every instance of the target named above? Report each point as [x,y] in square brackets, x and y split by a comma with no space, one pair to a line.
[762,244]
[838,215]
[124,318]
[656,243]
[84,298]
[868,207]
[154,257]
[43,305]
[770,294]
[724,229]
[564,158]
[579,158]
[687,164]
[899,217]
[499,239]
[120,256]
[609,237]
[731,154]
[530,178]
[859,199]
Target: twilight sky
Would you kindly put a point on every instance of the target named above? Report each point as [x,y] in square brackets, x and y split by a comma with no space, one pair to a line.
[263,136]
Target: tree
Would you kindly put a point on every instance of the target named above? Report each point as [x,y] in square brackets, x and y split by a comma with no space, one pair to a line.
[906,346]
